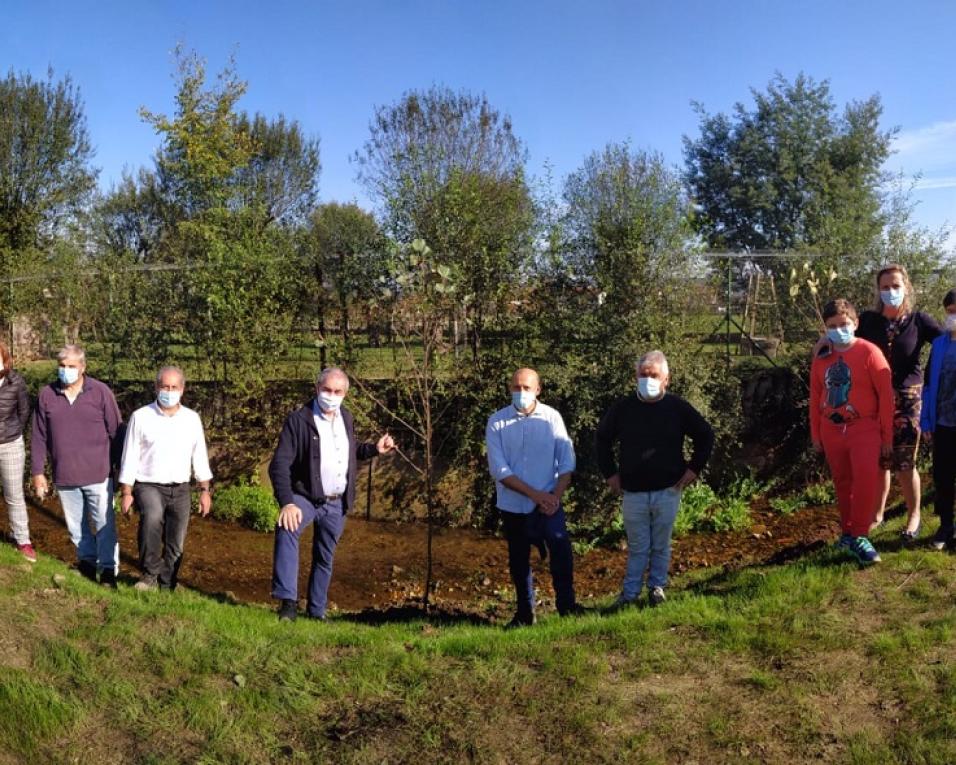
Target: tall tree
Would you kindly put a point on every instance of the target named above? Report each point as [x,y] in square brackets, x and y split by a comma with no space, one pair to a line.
[282,174]
[789,172]
[45,173]
[347,254]
[793,173]
[45,154]
[447,167]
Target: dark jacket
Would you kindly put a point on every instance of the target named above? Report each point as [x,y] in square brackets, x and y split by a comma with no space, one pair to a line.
[916,330]
[650,442]
[14,407]
[296,464]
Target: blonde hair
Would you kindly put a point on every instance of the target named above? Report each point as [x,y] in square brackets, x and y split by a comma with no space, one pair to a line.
[891,268]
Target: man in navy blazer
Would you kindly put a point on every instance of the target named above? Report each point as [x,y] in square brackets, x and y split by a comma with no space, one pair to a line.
[313,478]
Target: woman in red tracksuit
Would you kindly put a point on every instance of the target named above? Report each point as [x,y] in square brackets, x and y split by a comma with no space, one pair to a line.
[851,422]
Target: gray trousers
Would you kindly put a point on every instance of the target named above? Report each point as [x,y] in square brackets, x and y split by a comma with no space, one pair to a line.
[12,459]
[164,517]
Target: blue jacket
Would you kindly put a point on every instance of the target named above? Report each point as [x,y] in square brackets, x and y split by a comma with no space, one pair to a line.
[927,420]
[296,464]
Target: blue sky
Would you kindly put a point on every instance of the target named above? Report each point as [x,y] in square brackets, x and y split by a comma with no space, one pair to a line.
[572,75]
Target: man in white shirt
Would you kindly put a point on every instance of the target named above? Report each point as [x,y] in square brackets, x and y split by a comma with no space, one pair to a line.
[165,444]
[313,475]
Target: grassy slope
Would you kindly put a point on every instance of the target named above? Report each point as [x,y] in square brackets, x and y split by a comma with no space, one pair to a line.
[811,661]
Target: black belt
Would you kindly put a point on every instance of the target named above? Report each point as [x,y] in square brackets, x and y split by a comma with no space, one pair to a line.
[330,498]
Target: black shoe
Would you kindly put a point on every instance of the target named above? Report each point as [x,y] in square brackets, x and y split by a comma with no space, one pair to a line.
[520,620]
[942,539]
[108,578]
[576,610]
[87,569]
[288,611]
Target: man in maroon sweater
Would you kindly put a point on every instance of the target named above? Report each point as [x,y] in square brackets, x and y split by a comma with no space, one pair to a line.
[75,426]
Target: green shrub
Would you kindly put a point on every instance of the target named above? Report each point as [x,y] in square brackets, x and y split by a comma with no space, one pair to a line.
[819,494]
[695,505]
[246,503]
[703,511]
[787,505]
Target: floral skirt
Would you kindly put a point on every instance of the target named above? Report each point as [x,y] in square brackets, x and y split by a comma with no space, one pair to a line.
[905,429]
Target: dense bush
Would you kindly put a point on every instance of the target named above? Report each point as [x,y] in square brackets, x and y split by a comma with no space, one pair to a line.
[246,503]
[702,509]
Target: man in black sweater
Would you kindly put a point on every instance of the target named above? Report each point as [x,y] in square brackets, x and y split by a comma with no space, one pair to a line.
[649,470]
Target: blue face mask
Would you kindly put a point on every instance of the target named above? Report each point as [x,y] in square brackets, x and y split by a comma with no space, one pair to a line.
[168,398]
[893,297]
[841,335]
[67,375]
[522,399]
[648,387]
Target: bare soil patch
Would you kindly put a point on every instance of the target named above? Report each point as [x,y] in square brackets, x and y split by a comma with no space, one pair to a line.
[380,564]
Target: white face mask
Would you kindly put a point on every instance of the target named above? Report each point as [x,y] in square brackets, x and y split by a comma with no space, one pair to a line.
[950,322]
[648,387]
[329,402]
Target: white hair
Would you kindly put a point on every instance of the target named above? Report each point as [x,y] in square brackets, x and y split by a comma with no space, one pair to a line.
[170,368]
[653,357]
[328,372]
[72,351]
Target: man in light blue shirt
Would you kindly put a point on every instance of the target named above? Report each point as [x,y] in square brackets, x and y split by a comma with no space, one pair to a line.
[531,459]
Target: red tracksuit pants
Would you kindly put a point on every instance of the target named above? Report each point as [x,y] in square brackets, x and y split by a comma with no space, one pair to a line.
[853,454]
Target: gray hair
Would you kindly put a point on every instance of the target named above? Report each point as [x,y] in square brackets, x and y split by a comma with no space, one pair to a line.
[74,351]
[171,368]
[328,372]
[653,357]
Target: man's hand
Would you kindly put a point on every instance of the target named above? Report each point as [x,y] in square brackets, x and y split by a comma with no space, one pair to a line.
[614,483]
[385,444]
[547,503]
[818,447]
[686,480]
[126,503]
[927,436]
[290,517]
[40,486]
[886,452]
[205,503]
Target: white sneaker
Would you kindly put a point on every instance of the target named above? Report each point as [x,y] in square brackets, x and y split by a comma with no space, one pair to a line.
[656,596]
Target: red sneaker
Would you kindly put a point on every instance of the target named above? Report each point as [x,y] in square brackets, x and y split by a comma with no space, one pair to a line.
[28,552]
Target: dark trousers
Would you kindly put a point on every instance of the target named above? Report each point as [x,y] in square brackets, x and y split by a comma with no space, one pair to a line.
[944,476]
[524,530]
[163,519]
[328,522]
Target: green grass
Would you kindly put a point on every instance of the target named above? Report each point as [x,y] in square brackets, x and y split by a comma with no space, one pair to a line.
[813,661]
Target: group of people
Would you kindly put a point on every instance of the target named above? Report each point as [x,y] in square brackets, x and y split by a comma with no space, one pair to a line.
[640,448]
[78,429]
[870,404]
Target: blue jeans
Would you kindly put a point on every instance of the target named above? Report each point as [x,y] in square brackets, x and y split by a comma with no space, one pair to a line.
[91,521]
[328,522]
[523,530]
[648,520]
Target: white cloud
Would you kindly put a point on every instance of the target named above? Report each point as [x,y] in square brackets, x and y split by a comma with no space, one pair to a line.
[936,182]
[928,150]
